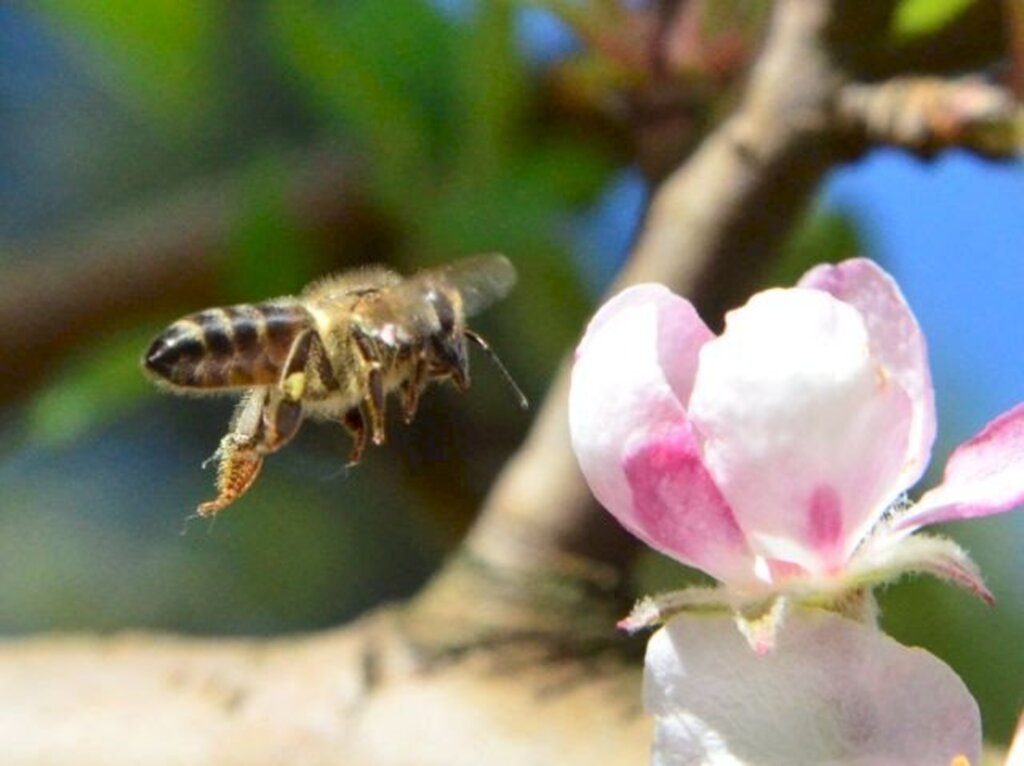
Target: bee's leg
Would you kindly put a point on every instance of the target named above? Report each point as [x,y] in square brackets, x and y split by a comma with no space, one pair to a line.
[412,387]
[264,423]
[239,466]
[281,421]
[356,425]
[461,379]
[239,460]
[293,375]
[319,364]
[451,360]
[374,401]
[375,404]
[307,361]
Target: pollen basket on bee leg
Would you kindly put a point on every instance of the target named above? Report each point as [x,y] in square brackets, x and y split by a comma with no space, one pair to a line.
[234,347]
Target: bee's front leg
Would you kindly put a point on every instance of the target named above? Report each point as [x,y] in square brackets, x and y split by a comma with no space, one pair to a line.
[263,423]
[449,359]
[412,387]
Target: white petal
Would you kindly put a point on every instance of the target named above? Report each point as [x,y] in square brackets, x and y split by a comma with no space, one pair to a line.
[804,432]
[832,691]
[896,339]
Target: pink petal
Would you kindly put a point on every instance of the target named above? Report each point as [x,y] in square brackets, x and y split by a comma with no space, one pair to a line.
[803,432]
[985,475]
[633,374]
[678,509]
[830,691]
[896,339]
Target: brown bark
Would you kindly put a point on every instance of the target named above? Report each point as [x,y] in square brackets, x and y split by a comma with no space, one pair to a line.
[358,696]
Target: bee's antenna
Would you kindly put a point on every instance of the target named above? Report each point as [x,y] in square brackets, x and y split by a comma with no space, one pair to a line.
[521,399]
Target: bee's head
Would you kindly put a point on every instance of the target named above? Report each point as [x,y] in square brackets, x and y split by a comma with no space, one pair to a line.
[448,342]
[444,304]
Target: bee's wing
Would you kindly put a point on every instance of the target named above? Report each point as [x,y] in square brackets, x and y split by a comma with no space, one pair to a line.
[480,280]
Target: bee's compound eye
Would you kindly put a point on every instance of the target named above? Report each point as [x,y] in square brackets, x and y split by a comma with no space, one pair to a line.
[444,310]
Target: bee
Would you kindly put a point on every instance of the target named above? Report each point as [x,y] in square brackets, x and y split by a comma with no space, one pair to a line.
[336,352]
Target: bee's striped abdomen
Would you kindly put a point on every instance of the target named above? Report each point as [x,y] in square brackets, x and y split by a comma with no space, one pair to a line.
[233,347]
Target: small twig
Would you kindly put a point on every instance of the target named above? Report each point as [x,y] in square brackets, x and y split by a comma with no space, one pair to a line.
[925,115]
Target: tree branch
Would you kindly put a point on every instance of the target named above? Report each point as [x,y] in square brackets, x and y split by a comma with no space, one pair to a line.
[925,115]
[712,231]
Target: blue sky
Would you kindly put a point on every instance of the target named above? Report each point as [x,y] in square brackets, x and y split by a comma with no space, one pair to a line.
[952,233]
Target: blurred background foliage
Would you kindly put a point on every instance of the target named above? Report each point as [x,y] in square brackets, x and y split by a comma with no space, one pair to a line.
[158,157]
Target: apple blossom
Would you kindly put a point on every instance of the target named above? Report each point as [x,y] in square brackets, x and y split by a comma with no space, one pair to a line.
[776,456]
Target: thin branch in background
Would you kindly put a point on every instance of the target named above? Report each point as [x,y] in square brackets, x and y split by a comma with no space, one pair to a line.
[925,115]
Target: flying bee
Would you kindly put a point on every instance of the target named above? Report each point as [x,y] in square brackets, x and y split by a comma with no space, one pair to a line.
[335,352]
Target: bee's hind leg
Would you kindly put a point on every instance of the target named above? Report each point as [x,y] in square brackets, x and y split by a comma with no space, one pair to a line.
[263,423]
[239,462]
[239,466]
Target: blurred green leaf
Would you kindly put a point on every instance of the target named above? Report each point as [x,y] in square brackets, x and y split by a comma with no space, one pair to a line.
[821,237]
[92,390]
[269,252]
[492,90]
[521,209]
[915,18]
[746,18]
[571,171]
[378,69]
[159,55]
